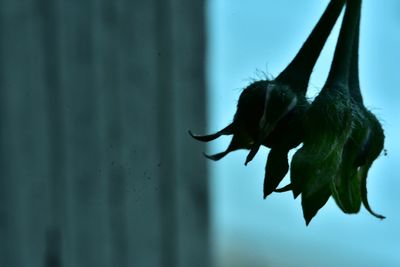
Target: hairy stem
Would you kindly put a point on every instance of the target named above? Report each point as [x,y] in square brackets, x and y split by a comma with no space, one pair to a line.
[354,81]
[340,68]
[297,73]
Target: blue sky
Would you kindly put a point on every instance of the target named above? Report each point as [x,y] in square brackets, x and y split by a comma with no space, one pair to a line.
[247,39]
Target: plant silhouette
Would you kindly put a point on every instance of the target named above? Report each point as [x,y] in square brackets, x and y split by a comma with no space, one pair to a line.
[341,138]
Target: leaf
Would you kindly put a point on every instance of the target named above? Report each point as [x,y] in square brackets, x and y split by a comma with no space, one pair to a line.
[346,188]
[317,189]
[313,202]
[276,168]
[363,176]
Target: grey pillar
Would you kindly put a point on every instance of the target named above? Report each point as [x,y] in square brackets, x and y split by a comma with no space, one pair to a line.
[96,167]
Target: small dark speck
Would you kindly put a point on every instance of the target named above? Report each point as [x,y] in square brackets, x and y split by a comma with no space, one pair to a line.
[385,152]
[159,164]
[148,178]
[112,163]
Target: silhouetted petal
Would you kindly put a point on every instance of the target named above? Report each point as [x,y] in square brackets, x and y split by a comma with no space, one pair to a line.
[217,156]
[228,130]
[267,114]
[275,170]
[237,142]
[313,202]
[374,147]
[363,176]
[286,188]
[317,189]
[362,148]
[346,188]
[328,125]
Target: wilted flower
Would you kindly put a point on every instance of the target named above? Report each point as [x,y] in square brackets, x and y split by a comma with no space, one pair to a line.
[362,148]
[328,126]
[371,151]
[343,138]
[271,113]
[314,166]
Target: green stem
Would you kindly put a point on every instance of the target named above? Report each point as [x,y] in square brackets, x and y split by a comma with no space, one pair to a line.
[340,68]
[297,73]
[354,81]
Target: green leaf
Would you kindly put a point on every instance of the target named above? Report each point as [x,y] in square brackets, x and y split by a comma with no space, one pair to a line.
[373,149]
[315,165]
[275,170]
[312,203]
[346,188]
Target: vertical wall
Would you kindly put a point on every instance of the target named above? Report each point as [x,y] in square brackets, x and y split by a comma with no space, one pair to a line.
[96,167]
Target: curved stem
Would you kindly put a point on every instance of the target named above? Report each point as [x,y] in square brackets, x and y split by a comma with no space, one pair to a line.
[297,73]
[339,72]
[354,80]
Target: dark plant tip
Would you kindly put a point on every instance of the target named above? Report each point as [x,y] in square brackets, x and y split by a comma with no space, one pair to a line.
[252,153]
[307,217]
[367,206]
[203,138]
[228,130]
[217,156]
[284,189]
[376,215]
[247,161]
[380,217]
[192,135]
[295,194]
[267,193]
[212,157]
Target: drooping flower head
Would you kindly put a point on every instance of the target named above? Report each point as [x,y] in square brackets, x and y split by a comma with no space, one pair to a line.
[271,113]
[341,138]
[327,125]
[361,149]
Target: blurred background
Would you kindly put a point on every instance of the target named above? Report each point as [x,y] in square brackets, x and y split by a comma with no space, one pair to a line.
[97,168]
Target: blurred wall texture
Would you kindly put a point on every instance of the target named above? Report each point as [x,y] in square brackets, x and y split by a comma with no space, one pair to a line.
[96,168]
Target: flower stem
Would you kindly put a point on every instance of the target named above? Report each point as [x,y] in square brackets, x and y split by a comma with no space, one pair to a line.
[298,72]
[354,80]
[340,68]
